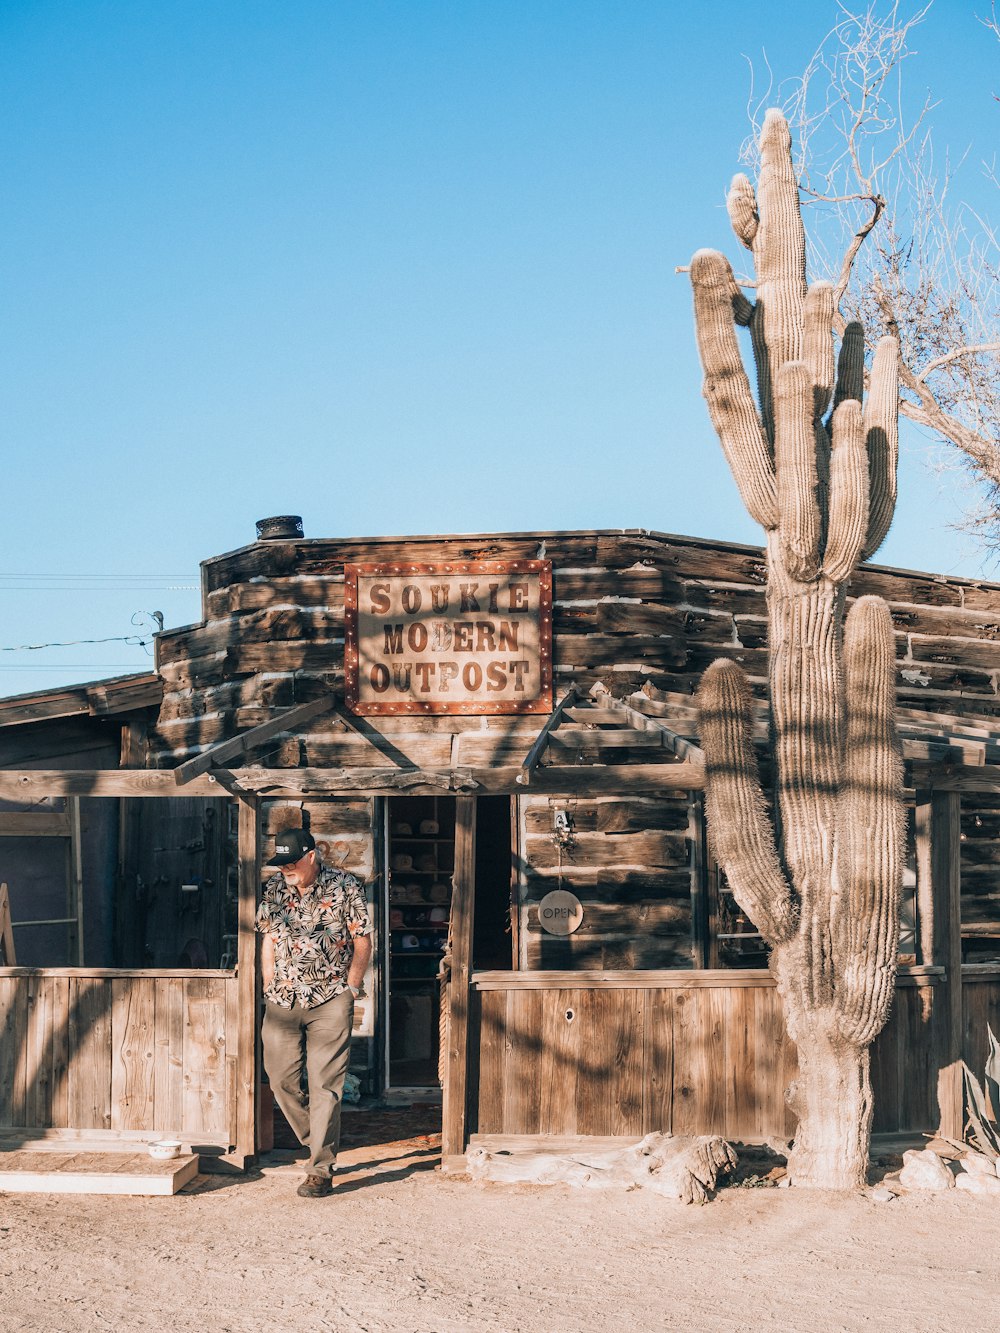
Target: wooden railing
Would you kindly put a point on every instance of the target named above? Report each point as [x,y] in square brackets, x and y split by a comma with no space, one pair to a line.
[575,1053]
[110,1051]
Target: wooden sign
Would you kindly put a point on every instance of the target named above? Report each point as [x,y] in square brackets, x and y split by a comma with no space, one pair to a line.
[560,912]
[454,637]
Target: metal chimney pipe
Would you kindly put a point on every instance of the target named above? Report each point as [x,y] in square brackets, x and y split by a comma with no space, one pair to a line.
[282,528]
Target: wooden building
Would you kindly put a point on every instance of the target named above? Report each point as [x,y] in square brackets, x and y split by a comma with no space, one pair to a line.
[497,733]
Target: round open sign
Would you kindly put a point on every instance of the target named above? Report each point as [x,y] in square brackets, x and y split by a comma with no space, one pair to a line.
[560,913]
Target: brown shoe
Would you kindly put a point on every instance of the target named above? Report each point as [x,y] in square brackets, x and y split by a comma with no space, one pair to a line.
[315,1187]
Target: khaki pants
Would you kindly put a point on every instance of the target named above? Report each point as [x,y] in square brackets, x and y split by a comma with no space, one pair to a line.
[319,1038]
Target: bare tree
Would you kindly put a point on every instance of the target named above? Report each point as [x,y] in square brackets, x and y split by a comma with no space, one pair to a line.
[904,255]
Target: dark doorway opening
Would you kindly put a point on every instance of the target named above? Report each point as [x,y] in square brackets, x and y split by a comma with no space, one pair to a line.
[420,861]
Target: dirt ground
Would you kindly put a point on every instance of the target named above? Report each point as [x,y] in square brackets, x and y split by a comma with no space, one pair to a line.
[398,1248]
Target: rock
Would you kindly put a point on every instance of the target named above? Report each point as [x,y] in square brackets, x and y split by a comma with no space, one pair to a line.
[925,1171]
[977,1184]
[879,1194]
[978,1164]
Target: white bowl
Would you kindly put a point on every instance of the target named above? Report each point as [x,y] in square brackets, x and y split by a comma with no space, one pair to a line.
[165,1149]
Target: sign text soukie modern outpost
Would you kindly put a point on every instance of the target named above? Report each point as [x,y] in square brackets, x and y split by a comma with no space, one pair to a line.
[452,637]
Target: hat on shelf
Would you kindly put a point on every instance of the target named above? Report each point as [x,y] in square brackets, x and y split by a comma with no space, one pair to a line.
[429,828]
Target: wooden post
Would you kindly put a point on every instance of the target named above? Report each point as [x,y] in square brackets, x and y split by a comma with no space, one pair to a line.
[699,881]
[463,890]
[946,941]
[76,876]
[246,967]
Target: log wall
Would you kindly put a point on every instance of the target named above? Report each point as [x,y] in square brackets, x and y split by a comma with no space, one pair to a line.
[153,1054]
[629,609]
[630,863]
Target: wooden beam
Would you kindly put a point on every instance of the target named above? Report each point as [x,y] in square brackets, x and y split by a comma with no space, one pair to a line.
[7,955]
[248,851]
[34,824]
[542,739]
[675,744]
[946,877]
[216,755]
[454,1127]
[375,738]
[556,780]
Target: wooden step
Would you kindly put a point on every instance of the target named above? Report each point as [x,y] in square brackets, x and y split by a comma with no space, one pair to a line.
[25,1172]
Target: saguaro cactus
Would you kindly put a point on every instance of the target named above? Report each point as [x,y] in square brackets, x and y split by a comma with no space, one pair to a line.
[822,882]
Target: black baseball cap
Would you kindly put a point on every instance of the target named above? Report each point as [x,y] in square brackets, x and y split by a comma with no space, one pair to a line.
[291,844]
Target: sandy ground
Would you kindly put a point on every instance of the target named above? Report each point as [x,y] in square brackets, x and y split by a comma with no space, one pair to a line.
[398,1248]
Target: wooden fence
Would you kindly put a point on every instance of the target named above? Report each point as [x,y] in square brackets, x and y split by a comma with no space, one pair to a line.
[565,1054]
[103,1050]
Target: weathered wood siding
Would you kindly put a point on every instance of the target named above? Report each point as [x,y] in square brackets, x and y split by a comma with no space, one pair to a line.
[629,608]
[629,861]
[701,1054]
[150,1053]
[980,850]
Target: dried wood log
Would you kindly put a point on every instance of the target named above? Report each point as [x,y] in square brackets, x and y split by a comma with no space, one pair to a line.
[681,1168]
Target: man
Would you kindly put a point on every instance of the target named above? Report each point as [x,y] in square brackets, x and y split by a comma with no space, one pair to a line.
[315,950]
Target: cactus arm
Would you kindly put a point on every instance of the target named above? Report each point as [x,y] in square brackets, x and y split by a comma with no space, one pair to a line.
[851,365]
[742,205]
[870,827]
[817,349]
[734,803]
[779,247]
[727,388]
[849,484]
[795,466]
[882,432]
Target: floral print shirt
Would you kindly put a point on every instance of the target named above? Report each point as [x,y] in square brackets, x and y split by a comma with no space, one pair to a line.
[312,935]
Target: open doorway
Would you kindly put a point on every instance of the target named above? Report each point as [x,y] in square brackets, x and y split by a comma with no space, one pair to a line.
[420,863]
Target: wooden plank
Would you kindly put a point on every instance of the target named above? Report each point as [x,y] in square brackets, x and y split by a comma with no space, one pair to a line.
[597,1072]
[885,1077]
[7,955]
[559,1063]
[204,1103]
[570,780]
[61,1052]
[33,824]
[132,1028]
[946,874]
[626,1038]
[524,1063]
[99,1173]
[91,1001]
[674,979]
[38,1090]
[770,1075]
[740,1075]
[248,740]
[11,1042]
[492,1060]
[168,1059]
[647,849]
[454,1118]
[658,1062]
[696,1105]
[534,755]
[248,840]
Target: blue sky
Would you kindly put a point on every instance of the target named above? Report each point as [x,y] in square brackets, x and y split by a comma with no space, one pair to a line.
[397,267]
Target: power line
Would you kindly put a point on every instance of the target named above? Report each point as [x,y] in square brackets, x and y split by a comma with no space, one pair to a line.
[132,640]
